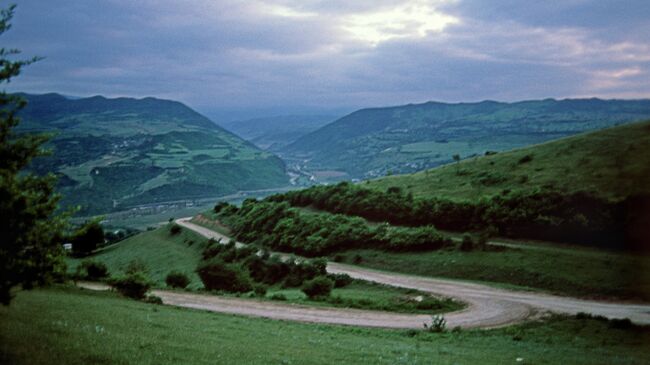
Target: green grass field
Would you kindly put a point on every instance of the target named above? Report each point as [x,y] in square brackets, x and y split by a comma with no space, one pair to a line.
[160,251]
[73,326]
[563,270]
[612,163]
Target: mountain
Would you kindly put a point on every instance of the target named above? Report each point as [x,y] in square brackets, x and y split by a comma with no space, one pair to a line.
[375,142]
[612,163]
[273,133]
[113,154]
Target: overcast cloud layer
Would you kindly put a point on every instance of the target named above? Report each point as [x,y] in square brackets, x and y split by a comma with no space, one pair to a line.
[333,54]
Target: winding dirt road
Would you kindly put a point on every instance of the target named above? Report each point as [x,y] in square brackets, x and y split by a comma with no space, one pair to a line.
[487,306]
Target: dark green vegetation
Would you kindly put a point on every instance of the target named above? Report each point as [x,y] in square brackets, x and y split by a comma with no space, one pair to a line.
[570,271]
[613,163]
[279,227]
[543,214]
[375,142]
[112,154]
[41,328]
[31,232]
[273,133]
[231,269]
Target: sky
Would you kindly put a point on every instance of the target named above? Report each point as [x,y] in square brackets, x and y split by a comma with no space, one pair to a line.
[288,56]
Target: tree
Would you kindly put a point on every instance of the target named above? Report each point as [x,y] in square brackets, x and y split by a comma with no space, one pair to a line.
[32,232]
[456,158]
[87,238]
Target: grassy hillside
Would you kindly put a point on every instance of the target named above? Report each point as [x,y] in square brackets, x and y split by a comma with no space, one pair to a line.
[375,142]
[612,163]
[113,154]
[273,133]
[159,251]
[71,326]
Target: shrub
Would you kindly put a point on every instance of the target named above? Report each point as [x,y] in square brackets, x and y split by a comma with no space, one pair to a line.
[175,229]
[438,324]
[525,159]
[340,280]
[86,239]
[92,270]
[357,259]
[318,287]
[132,286]
[153,299]
[260,290]
[177,279]
[136,266]
[467,244]
[279,297]
[218,275]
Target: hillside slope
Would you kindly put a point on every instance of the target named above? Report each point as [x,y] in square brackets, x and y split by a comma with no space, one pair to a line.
[612,163]
[273,133]
[112,154]
[375,142]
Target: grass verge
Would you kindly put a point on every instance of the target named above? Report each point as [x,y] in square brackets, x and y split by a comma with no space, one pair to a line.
[72,326]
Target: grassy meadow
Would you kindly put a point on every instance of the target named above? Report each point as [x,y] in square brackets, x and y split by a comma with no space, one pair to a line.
[612,163]
[73,326]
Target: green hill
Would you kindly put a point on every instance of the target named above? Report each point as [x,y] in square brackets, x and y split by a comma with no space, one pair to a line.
[273,133]
[374,142]
[612,163]
[113,154]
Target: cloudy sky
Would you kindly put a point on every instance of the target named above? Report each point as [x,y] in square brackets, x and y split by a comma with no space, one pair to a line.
[288,54]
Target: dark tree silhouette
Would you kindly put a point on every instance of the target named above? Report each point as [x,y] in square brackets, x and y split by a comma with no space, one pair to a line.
[30,247]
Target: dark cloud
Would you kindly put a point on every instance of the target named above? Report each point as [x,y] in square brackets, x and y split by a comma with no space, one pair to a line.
[273,54]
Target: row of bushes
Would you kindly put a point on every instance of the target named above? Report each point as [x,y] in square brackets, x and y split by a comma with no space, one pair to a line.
[546,214]
[242,269]
[278,226]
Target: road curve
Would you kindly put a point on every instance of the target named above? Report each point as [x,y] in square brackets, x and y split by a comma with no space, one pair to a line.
[487,306]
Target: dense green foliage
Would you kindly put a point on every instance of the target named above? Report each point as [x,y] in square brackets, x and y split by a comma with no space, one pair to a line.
[177,279]
[318,287]
[280,227]
[32,233]
[134,285]
[612,163]
[91,270]
[41,329]
[546,214]
[112,154]
[233,269]
[87,238]
[376,142]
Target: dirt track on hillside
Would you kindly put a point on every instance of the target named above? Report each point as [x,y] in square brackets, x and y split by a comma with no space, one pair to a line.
[487,306]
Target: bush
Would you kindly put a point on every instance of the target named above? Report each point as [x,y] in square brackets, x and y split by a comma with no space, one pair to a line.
[152,299]
[467,244]
[132,286]
[260,290]
[318,287]
[340,280]
[136,266]
[438,324]
[92,270]
[86,239]
[218,275]
[278,297]
[177,279]
[175,229]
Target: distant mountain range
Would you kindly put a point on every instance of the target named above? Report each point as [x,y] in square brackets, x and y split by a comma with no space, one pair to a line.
[382,141]
[274,133]
[112,154]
